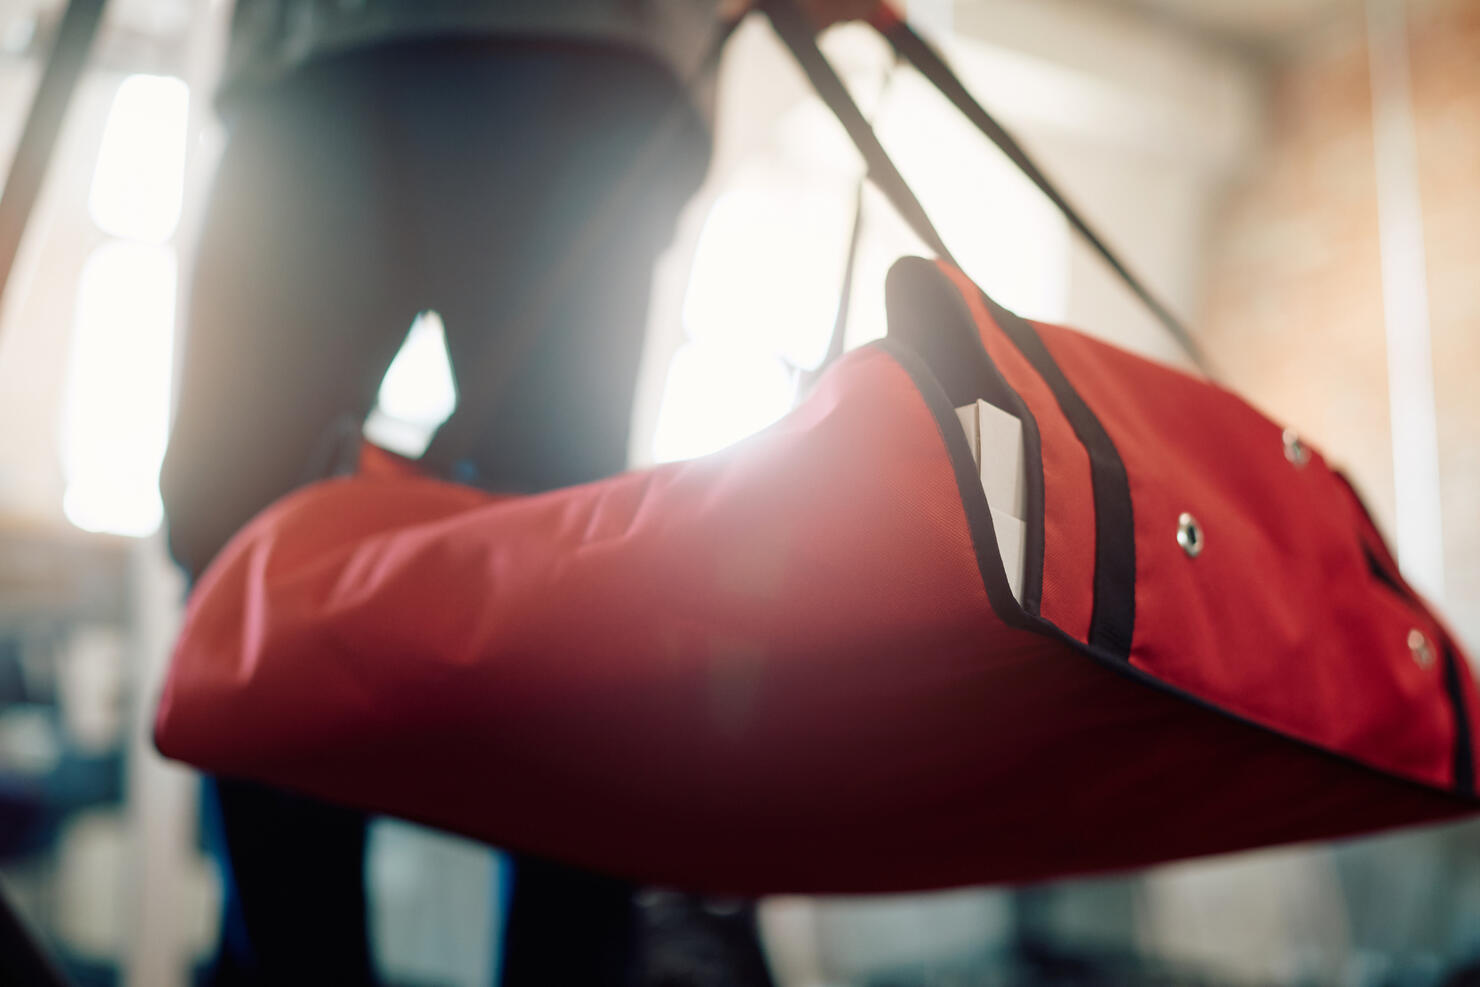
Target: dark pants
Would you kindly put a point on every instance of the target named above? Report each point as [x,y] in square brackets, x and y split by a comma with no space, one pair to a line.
[446,175]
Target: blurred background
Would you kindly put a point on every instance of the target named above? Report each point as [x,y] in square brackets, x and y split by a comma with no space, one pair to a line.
[1300,178]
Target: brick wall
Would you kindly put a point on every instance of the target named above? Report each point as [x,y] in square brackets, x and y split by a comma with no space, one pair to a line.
[1293,303]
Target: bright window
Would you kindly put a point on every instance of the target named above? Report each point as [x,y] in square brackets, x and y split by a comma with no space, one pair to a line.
[717,395]
[418,392]
[139,181]
[117,405]
[768,266]
[115,419]
[759,307]
[763,292]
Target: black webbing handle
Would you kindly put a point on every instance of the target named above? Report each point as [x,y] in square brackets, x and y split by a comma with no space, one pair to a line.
[807,379]
[798,34]
[74,37]
[914,49]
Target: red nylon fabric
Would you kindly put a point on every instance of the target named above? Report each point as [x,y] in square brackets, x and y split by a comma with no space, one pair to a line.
[777,668]
[1234,625]
[1069,514]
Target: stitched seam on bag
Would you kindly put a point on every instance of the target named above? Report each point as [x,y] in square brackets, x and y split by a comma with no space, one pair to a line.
[1113,615]
[968,483]
[917,372]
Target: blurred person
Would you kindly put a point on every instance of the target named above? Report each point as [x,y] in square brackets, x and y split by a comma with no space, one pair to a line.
[386,157]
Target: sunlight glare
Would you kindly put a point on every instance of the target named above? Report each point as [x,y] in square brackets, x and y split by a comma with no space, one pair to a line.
[418,392]
[117,405]
[140,176]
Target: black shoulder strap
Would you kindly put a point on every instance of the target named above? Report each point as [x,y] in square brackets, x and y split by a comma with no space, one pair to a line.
[928,62]
[798,34]
[807,379]
[75,33]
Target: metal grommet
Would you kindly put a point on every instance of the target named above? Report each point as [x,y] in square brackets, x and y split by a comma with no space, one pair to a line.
[1295,450]
[1189,535]
[1419,647]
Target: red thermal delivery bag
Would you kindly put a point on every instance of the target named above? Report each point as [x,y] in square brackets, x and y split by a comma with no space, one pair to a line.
[798,665]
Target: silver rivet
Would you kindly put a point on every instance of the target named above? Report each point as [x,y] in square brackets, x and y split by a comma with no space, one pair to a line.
[1295,450]
[1189,535]
[1419,647]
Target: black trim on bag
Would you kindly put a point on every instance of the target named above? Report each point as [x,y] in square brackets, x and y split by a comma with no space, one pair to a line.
[944,335]
[928,316]
[1464,746]
[901,347]
[1462,758]
[1380,573]
[999,595]
[1113,618]
[968,483]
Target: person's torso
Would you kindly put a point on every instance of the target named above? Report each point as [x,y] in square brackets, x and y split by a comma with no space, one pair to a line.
[272,38]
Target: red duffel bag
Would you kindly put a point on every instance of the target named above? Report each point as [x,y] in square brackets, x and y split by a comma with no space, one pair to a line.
[797,665]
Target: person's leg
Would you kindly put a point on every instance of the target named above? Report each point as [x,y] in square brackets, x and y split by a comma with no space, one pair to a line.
[564,418]
[568,926]
[298,302]
[294,911]
[696,942]
[300,295]
[505,181]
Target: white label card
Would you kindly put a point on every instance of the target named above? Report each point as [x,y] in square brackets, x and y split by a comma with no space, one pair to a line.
[996,441]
